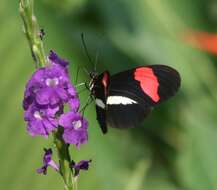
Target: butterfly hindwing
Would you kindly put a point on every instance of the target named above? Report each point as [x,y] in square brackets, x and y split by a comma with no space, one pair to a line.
[125,116]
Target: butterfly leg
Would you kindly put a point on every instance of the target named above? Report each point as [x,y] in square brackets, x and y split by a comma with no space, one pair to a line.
[88,102]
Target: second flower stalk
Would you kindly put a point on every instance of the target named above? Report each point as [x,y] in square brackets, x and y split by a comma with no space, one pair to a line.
[68,168]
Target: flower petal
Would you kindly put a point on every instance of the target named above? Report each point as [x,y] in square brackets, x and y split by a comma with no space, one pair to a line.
[50,124]
[53,57]
[42,170]
[62,93]
[67,119]
[47,161]
[71,90]
[53,165]
[47,96]
[74,104]
[77,138]
[82,165]
[41,121]
[36,127]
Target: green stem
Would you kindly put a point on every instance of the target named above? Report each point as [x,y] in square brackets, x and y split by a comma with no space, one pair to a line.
[32,32]
[64,159]
[75,185]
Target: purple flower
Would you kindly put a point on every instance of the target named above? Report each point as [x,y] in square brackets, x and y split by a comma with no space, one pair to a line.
[53,57]
[41,121]
[49,86]
[82,165]
[74,104]
[75,128]
[47,161]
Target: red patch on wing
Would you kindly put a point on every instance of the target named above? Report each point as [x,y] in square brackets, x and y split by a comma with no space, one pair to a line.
[105,82]
[105,79]
[148,82]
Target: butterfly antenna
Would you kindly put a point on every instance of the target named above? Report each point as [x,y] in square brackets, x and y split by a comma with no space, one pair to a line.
[86,71]
[85,49]
[96,59]
[77,73]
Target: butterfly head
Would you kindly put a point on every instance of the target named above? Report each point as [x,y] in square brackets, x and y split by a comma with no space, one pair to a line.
[93,79]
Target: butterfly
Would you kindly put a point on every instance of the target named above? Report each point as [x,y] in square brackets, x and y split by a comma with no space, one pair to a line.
[124,100]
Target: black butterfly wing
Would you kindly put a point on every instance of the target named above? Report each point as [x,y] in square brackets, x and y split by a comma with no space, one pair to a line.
[169,81]
[119,116]
[132,94]
[100,93]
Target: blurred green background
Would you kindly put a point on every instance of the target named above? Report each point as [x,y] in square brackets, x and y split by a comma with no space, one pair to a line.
[175,149]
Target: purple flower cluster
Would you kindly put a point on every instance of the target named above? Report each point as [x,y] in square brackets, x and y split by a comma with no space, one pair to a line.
[47,92]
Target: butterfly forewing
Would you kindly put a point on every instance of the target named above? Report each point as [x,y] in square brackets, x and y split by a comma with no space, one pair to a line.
[133,93]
